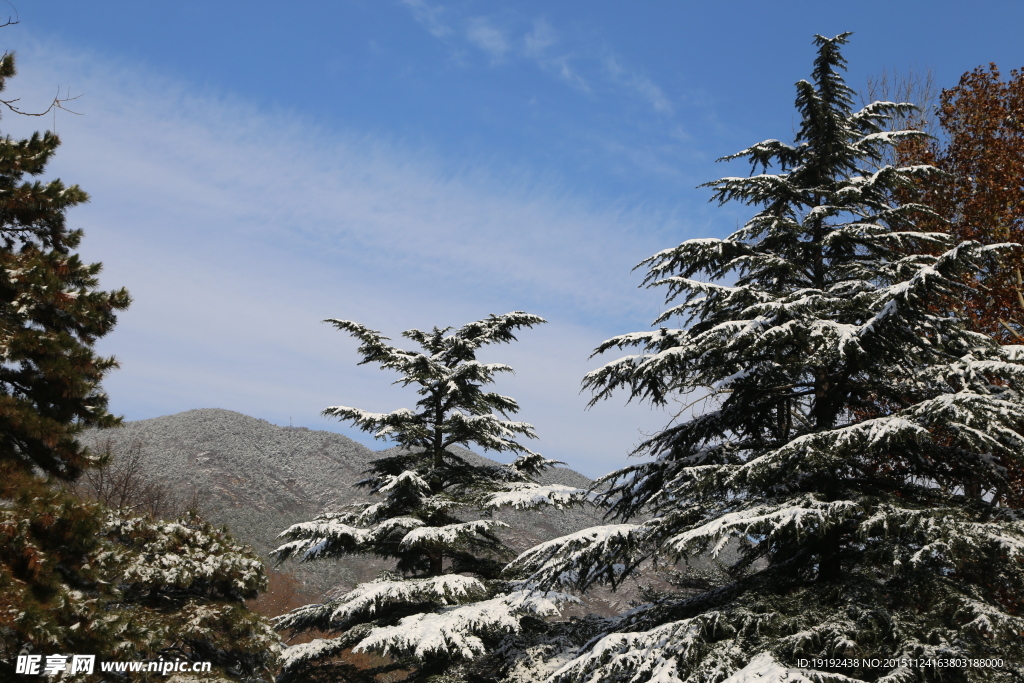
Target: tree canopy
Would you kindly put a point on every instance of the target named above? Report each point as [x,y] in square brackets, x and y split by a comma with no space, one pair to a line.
[51,313]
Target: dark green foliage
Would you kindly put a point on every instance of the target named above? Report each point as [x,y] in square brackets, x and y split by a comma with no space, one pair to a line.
[46,538]
[51,313]
[78,579]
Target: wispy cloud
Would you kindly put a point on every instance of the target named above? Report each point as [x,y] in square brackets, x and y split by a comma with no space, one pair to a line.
[537,46]
[641,85]
[238,231]
[539,39]
[542,46]
[488,38]
[431,17]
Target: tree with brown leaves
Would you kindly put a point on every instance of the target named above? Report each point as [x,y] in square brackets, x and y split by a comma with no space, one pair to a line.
[983,193]
[977,130]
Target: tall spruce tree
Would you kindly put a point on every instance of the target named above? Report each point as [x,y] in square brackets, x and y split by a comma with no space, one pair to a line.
[851,446]
[443,608]
[51,313]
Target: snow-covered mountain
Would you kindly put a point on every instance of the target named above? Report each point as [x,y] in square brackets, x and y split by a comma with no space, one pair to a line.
[258,478]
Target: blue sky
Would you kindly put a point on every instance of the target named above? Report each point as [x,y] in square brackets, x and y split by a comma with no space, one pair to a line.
[257,167]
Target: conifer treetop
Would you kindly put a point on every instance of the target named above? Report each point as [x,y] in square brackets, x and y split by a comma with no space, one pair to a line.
[449,379]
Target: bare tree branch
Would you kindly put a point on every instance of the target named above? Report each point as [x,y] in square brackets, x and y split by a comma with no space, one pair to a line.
[57,103]
[123,483]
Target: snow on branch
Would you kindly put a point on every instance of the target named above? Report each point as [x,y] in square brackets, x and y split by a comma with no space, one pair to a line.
[180,555]
[825,449]
[324,535]
[488,424]
[406,481]
[529,464]
[804,516]
[652,656]
[459,631]
[696,649]
[449,535]
[530,495]
[1014,352]
[988,620]
[318,649]
[764,668]
[368,599]
[709,255]
[598,554]
[932,532]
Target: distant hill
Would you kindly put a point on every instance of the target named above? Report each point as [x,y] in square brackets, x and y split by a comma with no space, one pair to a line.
[258,478]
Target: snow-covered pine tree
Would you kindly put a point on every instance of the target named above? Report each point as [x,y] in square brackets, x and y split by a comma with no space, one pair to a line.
[47,538]
[77,578]
[444,607]
[849,449]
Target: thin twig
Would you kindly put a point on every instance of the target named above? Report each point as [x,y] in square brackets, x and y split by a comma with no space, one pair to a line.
[57,103]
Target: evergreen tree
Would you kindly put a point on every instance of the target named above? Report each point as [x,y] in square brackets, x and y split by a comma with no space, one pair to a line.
[51,313]
[76,578]
[47,538]
[979,147]
[443,606]
[850,453]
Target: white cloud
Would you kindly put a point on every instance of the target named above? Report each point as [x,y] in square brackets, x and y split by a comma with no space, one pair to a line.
[538,45]
[562,66]
[488,38]
[238,231]
[538,40]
